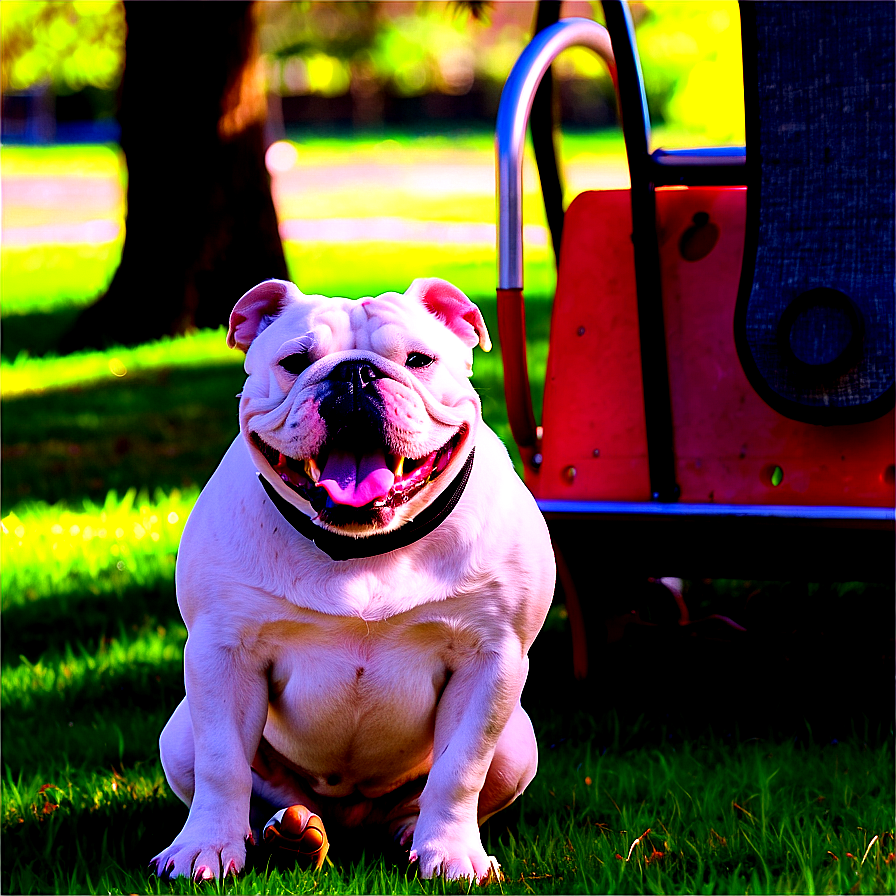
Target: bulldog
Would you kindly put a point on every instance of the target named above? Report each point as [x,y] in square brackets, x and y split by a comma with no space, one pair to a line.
[361,580]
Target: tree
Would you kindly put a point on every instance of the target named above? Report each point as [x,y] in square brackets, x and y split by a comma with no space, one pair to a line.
[201,225]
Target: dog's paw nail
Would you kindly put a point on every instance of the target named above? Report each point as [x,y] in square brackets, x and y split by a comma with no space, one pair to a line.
[163,870]
[203,872]
[412,857]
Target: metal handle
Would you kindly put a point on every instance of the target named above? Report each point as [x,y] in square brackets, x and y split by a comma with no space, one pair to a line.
[513,116]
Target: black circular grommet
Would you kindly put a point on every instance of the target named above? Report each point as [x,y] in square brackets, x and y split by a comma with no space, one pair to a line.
[821,332]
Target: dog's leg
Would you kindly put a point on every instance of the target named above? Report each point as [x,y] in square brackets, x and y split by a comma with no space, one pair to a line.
[176,749]
[513,766]
[207,749]
[473,712]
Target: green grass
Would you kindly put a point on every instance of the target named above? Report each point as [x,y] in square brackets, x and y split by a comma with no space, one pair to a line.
[92,665]
[704,744]
[374,268]
[44,278]
[160,415]
[75,425]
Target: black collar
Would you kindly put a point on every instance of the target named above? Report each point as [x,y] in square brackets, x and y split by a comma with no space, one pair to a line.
[346,547]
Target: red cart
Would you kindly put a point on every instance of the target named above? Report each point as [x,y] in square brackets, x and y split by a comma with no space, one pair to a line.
[719,390]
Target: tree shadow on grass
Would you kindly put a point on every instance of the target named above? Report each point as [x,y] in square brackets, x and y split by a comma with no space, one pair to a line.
[38,333]
[165,429]
[43,628]
[107,717]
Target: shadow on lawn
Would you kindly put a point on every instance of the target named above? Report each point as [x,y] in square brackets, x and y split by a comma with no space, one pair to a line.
[103,717]
[163,429]
[814,662]
[38,332]
[48,625]
[157,430]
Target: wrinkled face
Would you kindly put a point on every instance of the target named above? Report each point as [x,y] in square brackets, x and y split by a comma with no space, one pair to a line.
[359,412]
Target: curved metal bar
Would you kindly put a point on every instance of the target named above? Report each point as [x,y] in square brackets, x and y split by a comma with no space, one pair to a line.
[542,125]
[510,134]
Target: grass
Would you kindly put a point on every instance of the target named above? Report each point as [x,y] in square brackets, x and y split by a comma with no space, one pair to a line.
[684,765]
[375,268]
[169,405]
[81,425]
[618,806]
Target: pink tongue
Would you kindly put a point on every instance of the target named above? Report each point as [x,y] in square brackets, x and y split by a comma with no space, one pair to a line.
[356,481]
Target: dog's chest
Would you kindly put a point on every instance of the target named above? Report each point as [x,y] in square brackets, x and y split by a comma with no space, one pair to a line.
[344,691]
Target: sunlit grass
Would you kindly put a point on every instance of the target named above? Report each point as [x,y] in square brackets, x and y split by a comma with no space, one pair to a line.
[371,267]
[35,375]
[45,278]
[48,550]
[92,645]
[360,270]
[92,666]
[50,277]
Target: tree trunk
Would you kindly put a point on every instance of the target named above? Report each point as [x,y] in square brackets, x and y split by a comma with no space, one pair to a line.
[201,226]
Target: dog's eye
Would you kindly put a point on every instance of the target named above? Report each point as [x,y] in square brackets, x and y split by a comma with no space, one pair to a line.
[295,364]
[417,360]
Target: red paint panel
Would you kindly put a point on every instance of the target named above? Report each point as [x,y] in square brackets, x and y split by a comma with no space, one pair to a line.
[593,397]
[728,441]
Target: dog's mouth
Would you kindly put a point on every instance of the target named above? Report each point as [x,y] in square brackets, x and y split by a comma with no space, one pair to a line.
[357,485]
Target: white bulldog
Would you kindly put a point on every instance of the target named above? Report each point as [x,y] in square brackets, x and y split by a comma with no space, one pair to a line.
[360,613]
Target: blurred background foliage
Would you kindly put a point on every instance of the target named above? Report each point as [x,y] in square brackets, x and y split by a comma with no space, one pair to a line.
[69,45]
[371,51]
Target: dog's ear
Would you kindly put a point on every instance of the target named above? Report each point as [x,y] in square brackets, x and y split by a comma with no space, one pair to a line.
[454,309]
[256,309]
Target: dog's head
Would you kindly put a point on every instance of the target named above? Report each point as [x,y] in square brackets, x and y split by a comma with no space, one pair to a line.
[359,412]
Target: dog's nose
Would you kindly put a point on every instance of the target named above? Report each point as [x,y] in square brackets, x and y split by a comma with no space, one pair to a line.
[360,373]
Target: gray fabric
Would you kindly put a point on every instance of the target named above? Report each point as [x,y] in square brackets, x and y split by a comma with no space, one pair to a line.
[825,144]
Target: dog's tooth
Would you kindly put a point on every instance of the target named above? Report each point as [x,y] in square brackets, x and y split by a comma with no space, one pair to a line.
[399,468]
[312,471]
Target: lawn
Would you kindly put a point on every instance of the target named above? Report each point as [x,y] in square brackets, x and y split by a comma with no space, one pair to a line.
[761,764]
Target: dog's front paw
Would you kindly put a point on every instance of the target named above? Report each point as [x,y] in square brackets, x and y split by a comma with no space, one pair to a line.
[455,860]
[299,831]
[200,861]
